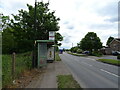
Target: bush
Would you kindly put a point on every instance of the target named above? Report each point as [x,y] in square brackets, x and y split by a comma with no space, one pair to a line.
[74,49]
[79,51]
[118,57]
[96,53]
[23,62]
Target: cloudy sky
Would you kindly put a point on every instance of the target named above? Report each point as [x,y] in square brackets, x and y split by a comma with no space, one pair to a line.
[78,17]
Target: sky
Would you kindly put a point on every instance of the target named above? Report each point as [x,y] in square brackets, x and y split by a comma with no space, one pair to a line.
[78,17]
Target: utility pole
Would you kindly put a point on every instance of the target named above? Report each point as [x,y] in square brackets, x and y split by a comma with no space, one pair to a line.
[33,54]
[35,18]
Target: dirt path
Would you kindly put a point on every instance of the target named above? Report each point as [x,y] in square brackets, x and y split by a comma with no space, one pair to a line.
[48,78]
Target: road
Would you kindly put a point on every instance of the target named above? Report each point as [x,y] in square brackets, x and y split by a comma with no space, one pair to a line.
[90,73]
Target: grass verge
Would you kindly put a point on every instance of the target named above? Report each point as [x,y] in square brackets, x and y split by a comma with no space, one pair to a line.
[57,57]
[77,54]
[110,61]
[67,81]
[23,62]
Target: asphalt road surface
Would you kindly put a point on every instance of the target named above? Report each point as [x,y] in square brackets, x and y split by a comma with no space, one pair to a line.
[90,73]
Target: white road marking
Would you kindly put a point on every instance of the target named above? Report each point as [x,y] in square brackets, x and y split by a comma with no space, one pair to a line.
[109,72]
[87,63]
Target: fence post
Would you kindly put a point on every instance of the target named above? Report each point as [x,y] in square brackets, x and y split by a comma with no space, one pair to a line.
[13,65]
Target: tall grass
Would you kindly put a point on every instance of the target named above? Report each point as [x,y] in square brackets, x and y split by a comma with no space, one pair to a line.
[57,57]
[23,62]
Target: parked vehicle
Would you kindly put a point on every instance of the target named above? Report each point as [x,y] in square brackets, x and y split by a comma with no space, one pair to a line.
[86,52]
[115,53]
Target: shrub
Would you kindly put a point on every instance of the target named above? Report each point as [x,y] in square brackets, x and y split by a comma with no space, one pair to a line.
[23,62]
[79,51]
[96,53]
[74,49]
[118,57]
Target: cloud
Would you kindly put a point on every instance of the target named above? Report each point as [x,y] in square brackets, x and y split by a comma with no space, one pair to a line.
[77,17]
[112,20]
[9,7]
[108,9]
[70,27]
[103,26]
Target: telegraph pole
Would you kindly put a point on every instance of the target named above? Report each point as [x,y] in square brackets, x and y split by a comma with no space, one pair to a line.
[33,54]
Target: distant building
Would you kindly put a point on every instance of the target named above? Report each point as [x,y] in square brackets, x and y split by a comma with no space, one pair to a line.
[114,45]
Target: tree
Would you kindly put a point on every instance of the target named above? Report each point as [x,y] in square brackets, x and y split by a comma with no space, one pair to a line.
[109,40]
[4,21]
[74,49]
[8,43]
[23,30]
[58,37]
[90,42]
[45,21]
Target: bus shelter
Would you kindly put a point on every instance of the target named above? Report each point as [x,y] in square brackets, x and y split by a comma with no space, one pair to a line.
[46,52]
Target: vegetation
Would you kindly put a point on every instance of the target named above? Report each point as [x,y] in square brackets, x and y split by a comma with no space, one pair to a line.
[97,53]
[19,34]
[109,40]
[23,62]
[57,57]
[110,61]
[90,42]
[118,57]
[79,50]
[74,49]
[67,81]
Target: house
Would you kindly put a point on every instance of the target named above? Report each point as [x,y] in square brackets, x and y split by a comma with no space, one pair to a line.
[114,45]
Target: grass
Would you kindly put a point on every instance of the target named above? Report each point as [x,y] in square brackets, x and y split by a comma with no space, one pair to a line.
[77,54]
[110,61]
[67,81]
[0,71]
[23,62]
[57,57]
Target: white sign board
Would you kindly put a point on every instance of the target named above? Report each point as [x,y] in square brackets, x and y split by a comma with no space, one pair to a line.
[50,54]
[51,35]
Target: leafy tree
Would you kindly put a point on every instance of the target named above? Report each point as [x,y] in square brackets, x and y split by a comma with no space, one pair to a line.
[109,40]
[8,43]
[74,49]
[45,22]
[22,31]
[58,37]
[90,42]
[79,50]
[5,20]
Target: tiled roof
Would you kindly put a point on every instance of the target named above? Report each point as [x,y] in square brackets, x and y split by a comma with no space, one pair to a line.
[118,39]
[115,39]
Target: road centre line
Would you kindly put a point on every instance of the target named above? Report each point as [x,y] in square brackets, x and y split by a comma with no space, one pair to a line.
[109,72]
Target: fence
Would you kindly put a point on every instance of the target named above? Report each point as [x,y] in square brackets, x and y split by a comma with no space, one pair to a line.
[12,67]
